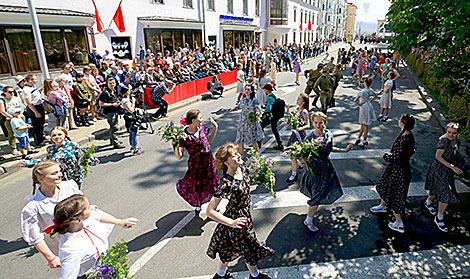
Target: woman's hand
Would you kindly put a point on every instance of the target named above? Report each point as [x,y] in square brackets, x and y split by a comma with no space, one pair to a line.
[238,223]
[348,148]
[273,180]
[55,263]
[93,207]
[127,223]
[457,170]
[213,123]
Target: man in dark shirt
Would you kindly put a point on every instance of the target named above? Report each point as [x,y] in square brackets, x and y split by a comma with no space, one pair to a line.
[156,96]
[109,101]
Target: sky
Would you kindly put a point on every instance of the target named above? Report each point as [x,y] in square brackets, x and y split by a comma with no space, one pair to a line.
[368,12]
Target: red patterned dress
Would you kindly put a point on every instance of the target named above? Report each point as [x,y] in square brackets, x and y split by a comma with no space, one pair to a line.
[200,181]
[231,243]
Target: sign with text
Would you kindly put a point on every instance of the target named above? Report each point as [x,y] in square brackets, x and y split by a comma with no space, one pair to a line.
[121,47]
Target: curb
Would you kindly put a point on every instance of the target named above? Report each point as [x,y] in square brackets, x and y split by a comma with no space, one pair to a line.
[14,166]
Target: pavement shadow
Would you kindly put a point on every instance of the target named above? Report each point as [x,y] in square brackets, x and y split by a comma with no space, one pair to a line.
[7,247]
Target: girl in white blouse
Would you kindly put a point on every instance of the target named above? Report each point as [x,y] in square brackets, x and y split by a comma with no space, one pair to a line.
[83,234]
[37,215]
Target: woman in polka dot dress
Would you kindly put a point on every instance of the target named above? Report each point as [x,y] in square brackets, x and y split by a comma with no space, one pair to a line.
[393,185]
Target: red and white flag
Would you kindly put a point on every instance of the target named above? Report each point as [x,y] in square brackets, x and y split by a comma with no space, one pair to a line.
[300,26]
[98,19]
[309,25]
[118,19]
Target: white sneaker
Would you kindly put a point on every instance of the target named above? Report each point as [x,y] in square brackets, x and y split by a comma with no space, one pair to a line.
[379,209]
[398,228]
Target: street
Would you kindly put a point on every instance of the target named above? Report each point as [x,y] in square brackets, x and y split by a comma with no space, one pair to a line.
[170,241]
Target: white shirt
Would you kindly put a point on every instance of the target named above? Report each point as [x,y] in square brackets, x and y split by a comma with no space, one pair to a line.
[33,94]
[77,250]
[38,214]
[68,80]
[388,86]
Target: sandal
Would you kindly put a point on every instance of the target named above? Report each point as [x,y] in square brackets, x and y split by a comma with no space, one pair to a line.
[431,209]
[440,224]
[394,226]
[311,227]
[15,152]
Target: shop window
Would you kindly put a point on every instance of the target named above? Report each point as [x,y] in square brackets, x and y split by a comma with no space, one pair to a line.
[22,47]
[210,5]
[77,46]
[188,38]
[198,39]
[228,38]
[230,6]
[178,35]
[152,40]
[167,40]
[3,60]
[53,47]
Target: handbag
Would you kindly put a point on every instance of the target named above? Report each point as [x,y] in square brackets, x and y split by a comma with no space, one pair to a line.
[58,110]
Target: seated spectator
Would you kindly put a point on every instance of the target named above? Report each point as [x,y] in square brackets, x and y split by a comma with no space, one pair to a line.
[216,87]
[214,67]
[115,74]
[169,75]
[168,60]
[186,71]
[151,78]
[220,65]
[179,74]
[159,59]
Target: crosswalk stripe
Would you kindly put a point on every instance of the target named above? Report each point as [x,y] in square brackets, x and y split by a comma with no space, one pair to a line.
[444,262]
[336,132]
[353,154]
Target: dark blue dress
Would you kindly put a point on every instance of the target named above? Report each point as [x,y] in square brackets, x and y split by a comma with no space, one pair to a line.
[323,186]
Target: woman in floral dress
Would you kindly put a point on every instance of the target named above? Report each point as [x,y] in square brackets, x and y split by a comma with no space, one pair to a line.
[248,132]
[440,179]
[297,62]
[69,155]
[395,181]
[200,181]
[299,135]
[234,236]
[322,186]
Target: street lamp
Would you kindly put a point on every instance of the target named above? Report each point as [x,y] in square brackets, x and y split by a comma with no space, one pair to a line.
[38,40]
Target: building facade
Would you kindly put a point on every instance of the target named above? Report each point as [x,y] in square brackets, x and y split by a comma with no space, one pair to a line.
[350,26]
[308,14]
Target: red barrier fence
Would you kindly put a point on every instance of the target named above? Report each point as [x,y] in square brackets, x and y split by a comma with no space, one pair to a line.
[193,88]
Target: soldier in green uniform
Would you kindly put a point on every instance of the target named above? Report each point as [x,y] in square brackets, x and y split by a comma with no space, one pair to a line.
[313,75]
[323,87]
[337,76]
[330,66]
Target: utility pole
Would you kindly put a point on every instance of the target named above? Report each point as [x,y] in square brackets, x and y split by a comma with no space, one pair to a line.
[38,40]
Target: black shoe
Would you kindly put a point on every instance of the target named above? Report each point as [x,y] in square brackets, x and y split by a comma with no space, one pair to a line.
[119,146]
[2,158]
[33,152]
[278,147]
[288,180]
[380,117]
[227,275]
[260,276]
[363,144]
[26,157]
[358,141]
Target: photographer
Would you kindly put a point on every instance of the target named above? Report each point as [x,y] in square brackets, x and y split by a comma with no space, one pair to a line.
[132,119]
[156,96]
[215,86]
[109,101]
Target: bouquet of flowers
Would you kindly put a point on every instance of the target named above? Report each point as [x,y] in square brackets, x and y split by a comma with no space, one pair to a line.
[113,264]
[87,159]
[260,171]
[171,132]
[291,120]
[302,150]
[254,115]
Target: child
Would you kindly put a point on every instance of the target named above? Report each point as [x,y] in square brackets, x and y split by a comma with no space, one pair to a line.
[366,111]
[20,129]
[240,82]
[83,234]
[386,99]
[83,95]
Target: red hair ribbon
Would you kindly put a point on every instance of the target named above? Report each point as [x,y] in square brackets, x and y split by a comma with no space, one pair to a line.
[49,229]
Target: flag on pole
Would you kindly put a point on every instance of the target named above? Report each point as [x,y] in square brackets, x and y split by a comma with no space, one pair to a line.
[118,19]
[309,25]
[300,26]
[98,19]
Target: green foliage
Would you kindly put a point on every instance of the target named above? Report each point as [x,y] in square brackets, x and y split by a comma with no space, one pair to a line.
[171,132]
[87,156]
[114,260]
[254,116]
[291,120]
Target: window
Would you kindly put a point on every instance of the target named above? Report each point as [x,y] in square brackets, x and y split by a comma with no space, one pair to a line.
[167,40]
[210,5]
[257,7]
[157,1]
[293,34]
[245,7]
[53,47]
[22,47]
[230,6]
[77,44]
[295,15]
[301,16]
[278,12]
[3,60]
[188,3]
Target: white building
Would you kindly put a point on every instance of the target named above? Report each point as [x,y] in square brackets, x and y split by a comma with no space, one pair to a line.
[307,12]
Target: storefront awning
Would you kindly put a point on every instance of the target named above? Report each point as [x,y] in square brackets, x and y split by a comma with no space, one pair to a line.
[238,27]
[47,16]
[170,22]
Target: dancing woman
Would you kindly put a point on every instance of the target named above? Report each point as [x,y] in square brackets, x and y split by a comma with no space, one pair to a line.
[234,236]
[440,180]
[366,111]
[248,132]
[201,179]
[322,187]
[395,181]
[299,135]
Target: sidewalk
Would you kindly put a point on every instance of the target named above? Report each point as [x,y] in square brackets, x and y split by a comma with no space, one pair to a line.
[85,135]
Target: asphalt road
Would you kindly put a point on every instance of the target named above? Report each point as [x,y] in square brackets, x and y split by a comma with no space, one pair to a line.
[170,242]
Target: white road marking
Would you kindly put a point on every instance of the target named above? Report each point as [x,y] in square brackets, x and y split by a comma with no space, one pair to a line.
[336,132]
[147,256]
[434,263]
[353,154]
[271,140]
[288,90]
